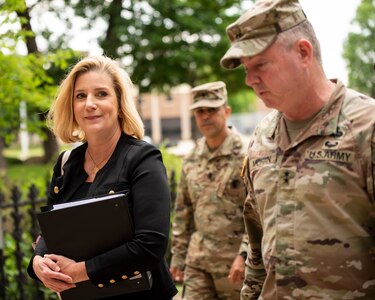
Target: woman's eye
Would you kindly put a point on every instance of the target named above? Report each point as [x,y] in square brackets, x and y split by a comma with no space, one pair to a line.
[102,94]
[80,96]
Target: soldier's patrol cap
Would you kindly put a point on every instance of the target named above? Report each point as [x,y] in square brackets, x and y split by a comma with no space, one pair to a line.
[212,94]
[257,28]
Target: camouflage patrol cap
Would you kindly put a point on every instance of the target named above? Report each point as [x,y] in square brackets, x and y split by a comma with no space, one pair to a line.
[258,28]
[212,94]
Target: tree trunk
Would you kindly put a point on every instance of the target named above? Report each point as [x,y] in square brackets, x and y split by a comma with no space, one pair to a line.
[3,164]
[50,146]
[111,42]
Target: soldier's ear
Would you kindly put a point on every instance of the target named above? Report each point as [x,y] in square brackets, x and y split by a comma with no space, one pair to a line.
[304,50]
[228,110]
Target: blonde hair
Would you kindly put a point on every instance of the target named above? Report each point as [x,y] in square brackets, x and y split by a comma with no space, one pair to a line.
[60,118]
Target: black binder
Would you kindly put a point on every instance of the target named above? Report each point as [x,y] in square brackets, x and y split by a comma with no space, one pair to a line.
[83,229]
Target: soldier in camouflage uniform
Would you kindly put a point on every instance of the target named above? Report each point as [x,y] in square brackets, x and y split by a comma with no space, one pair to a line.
[310,208]
[208,227]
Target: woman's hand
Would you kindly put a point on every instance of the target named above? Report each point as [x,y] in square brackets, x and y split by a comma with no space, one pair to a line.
[49,273]
[76,271]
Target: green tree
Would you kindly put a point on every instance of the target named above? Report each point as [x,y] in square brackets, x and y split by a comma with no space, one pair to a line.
[24,78]
[359,49]
[161,43]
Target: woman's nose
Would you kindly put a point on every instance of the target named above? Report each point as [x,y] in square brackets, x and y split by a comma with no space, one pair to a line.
[90,101]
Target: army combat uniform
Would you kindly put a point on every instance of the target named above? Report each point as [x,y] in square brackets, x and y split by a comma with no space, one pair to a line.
[208,223]
[314,199]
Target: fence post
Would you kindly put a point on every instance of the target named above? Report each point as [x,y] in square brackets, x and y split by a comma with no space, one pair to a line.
[17,235]
[34,230]
[2,258]
[32,195]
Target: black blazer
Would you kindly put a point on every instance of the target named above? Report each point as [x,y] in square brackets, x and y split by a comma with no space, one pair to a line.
[134,166]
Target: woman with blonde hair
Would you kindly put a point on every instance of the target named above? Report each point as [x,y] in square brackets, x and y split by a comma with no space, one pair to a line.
[95,106]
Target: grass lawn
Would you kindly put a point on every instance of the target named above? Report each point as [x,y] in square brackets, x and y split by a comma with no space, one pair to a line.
[24,174]
[14,153]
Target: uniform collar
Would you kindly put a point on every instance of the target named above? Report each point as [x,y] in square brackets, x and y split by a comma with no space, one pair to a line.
[231,145]
[324,123]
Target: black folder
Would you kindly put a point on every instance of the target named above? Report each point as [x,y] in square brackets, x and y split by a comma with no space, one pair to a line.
[83,229]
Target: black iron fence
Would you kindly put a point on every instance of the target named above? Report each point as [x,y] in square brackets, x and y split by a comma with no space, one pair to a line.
[18,230]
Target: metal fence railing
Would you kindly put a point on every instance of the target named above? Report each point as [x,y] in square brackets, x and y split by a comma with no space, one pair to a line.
[18,227]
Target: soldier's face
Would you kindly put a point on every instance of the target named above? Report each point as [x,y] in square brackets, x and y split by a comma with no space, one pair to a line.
[276,76]
[211,122]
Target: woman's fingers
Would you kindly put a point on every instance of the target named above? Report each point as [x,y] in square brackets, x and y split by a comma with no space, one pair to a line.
[57,285]
[50,263]
[47,271]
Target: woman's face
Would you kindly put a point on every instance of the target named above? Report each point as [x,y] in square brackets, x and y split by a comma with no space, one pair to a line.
[95,104]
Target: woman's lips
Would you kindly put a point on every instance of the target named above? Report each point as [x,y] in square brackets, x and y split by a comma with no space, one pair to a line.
[92,118]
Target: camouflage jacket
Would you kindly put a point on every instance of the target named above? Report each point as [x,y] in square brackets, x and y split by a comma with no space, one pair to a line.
[310,209]
[208,222]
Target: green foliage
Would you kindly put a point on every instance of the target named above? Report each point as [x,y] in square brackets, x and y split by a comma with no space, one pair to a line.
[17,84]
[30,79]
[26,79]
[171,162]
[11,270]
[243,101]
[161,43]
[359,49]
[10,21]
[173,165]
[25,175]
[11,250]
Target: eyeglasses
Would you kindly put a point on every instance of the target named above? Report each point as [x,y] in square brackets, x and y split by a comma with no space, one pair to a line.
[206,111]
